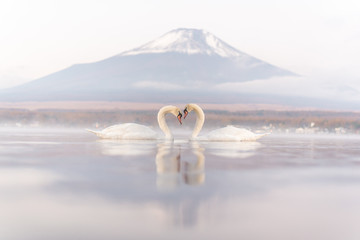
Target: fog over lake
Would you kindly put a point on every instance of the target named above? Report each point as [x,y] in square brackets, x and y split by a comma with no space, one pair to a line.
[68,184]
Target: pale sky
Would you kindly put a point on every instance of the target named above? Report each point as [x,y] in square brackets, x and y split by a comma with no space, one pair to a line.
[319,40]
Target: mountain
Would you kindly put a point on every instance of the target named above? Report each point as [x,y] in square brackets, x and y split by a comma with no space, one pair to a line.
[182,65]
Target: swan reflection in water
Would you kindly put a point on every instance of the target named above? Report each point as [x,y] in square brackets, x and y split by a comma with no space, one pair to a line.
[176,162]
[114,147]
[232,149]
[179,163]
[175,166]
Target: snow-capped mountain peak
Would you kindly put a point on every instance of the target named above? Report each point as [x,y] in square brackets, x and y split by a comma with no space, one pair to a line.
[187,41]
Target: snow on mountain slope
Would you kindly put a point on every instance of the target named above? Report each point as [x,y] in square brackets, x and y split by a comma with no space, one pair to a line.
[188,41]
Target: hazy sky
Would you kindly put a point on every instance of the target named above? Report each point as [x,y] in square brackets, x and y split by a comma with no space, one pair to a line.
[316,39]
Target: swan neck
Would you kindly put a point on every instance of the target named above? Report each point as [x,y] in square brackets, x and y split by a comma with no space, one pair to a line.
[200,118]
[162,122]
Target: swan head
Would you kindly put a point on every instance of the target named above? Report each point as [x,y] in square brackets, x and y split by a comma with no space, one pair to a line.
[188,108]
[179,116]
[177,113]
[170,109]
[186,112]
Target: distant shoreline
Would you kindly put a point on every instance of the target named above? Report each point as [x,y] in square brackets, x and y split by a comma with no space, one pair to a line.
[104,114]
[104,105]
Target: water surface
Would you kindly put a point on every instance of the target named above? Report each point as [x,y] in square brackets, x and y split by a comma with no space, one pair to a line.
[67,184]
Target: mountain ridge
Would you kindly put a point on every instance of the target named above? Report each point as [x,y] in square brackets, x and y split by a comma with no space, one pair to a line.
[183,64]
[189,41]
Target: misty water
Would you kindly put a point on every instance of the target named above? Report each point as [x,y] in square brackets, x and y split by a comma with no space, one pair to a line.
[68,184]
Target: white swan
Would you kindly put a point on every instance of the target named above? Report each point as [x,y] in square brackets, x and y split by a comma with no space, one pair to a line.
[229,133]
[134,131]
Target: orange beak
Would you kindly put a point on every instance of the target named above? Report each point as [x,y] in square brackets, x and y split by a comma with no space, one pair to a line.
[179,117]
[185,113]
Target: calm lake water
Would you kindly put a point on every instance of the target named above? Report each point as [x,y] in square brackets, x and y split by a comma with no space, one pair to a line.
[67,184]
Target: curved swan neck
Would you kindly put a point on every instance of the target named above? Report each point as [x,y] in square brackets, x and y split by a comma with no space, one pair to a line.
[162,122]
[200,119]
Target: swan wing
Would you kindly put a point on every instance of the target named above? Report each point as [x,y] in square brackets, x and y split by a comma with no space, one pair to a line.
[127,131]
[231,133]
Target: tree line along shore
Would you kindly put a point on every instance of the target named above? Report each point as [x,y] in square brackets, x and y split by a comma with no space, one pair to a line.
[276,120]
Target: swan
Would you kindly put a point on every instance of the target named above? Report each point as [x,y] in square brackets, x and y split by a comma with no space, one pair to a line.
[134,131]
[229,133]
